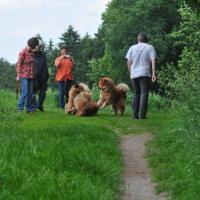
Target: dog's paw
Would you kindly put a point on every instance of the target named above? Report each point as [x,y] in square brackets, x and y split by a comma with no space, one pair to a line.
[99,102]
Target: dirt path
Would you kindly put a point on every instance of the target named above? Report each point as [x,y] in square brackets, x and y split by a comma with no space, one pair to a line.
[137,183]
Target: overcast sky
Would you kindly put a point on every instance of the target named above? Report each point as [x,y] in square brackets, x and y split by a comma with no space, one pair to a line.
[22,19]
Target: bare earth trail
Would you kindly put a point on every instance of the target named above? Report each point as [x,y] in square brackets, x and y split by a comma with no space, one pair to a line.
[136,176]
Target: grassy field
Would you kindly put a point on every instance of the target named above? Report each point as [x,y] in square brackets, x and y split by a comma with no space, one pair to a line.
[51,155]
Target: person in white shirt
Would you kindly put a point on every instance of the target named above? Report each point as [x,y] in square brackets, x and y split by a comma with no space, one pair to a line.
[141,61]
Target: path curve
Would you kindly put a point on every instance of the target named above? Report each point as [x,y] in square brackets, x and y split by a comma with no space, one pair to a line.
[136,176]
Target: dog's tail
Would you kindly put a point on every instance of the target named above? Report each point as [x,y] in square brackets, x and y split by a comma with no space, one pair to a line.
[123,87]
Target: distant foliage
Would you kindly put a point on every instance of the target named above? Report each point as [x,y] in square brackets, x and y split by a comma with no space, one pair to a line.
[187,78]
[100,68]
[182,81]
[7,75]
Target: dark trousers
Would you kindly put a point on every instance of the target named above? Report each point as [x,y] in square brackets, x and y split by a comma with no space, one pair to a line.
[41,95]
[141,86]
[40,88]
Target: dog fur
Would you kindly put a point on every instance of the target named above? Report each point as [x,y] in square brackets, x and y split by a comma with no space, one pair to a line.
[111,94]
[80,101]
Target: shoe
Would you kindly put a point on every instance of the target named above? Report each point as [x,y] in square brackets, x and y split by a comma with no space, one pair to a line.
[134,117]
[143,117]
[30,112]
[41,109]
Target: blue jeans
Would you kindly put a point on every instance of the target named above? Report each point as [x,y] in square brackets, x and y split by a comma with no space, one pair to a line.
[141,86]
[26,94]
[63,91]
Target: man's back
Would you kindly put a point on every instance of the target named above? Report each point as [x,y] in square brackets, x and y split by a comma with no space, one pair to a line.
[141,55]
[41,69]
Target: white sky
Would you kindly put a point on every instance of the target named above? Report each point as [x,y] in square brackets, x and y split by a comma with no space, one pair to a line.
[22,19]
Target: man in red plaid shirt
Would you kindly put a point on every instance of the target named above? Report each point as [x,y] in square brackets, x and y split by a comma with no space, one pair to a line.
[25,73]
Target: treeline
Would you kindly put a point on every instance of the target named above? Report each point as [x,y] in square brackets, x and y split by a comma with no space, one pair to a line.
[103,54]
[7,74]
[172,27]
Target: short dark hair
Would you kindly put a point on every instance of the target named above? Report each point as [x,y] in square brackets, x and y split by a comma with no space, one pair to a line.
[142,37]
[32,42]
[64,47]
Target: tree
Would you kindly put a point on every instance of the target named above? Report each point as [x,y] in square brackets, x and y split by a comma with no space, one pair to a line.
[99,43]
[7,74]
[86,50]
[50,47]
[123,20]
[194,4]
[71,39]
[52,53]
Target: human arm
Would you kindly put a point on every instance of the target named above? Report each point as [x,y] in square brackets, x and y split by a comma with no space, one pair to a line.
[19,65]
[153,65]
[129,59]
[129,63]
[70,57]
[58,61]
[153,57]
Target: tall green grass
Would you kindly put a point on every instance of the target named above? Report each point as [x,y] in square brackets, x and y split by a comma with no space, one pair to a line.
[173,155]
[50,155]
[53,156]
[59,162]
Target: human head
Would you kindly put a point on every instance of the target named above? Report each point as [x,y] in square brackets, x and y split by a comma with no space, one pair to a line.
[32,42]
[142,37]
[38,47]
[64,50]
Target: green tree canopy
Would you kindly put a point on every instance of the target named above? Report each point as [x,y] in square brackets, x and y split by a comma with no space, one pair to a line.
[123,20]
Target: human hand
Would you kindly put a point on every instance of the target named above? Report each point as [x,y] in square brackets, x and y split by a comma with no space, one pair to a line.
[67,56]
[153,78]
[17,77]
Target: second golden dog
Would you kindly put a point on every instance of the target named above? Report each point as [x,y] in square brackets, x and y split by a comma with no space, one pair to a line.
[111,94]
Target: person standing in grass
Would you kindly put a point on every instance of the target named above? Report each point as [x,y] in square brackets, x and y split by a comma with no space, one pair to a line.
[41,78]
[25,74]
[141,61]
[64,75]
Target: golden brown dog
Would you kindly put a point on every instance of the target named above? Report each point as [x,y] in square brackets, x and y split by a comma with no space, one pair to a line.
[111,94]
[80,101]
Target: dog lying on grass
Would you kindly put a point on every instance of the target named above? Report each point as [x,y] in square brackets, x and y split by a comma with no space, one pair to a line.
[80,101]
[111,94]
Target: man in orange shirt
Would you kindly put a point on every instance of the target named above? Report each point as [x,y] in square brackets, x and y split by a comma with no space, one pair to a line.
[64,75]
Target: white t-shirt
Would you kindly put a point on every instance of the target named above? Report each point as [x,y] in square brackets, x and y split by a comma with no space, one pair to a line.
[141,55]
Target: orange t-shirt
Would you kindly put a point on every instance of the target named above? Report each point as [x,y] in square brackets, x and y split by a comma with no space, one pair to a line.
[64,69]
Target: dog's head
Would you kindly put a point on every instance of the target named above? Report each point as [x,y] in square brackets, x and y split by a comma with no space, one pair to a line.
[75,89]
[105,83]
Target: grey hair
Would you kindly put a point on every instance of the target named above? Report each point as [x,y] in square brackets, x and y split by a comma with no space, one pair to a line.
[142,37]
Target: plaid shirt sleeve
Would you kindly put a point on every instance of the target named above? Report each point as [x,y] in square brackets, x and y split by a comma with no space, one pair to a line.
[20,61]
